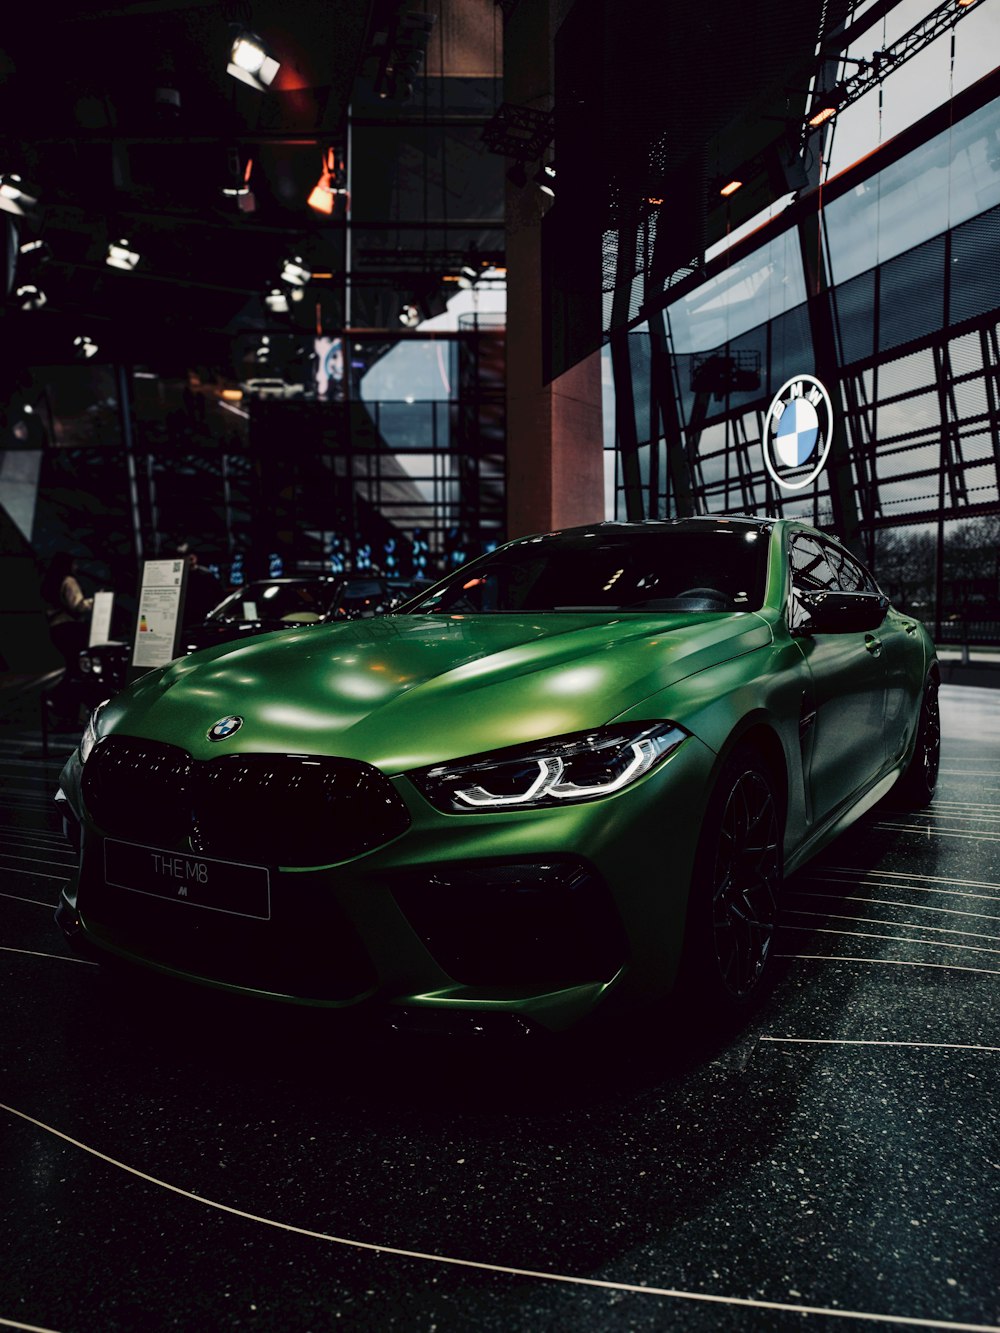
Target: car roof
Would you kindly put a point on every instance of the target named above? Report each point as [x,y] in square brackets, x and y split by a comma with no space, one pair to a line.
[698,523]
[297,578]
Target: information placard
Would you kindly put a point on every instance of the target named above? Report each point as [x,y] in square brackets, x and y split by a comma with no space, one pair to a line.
[158,617]
[100,618]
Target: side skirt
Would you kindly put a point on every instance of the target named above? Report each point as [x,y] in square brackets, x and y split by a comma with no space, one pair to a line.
[841,820]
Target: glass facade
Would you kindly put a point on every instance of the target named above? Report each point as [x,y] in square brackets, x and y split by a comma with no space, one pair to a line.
[399,468]
[889,291]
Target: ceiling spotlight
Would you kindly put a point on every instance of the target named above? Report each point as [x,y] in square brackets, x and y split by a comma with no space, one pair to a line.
[545,179]
[402,55]
[263,352]
[826,105]
[85,347]
[250,62]
[409,316]
[331,184]
[239,189]
[14,198]
[120,256]
[38,251]
[276,301]
[730,188]
[295,272]
[30,297]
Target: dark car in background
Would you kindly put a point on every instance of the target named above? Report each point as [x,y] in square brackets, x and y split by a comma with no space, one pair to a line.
[258,607]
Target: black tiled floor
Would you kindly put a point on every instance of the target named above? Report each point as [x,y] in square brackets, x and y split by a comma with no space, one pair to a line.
[177,1162]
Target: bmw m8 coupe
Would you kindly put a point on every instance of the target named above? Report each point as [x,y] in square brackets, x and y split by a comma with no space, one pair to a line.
[569,778]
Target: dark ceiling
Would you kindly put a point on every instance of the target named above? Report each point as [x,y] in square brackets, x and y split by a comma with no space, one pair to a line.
[124,124]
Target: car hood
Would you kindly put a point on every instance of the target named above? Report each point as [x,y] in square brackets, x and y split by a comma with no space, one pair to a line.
[403,691]
[211,632]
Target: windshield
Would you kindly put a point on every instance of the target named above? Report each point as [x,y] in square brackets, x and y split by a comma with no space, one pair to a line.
[303,600]
[665,570]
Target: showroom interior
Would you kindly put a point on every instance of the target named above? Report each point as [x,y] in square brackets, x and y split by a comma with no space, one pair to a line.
[347,296]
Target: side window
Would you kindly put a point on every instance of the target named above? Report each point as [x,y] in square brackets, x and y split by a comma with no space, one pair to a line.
[851,577]
[811,570]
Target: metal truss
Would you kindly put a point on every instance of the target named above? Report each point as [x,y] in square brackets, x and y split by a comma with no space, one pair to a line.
[871,72]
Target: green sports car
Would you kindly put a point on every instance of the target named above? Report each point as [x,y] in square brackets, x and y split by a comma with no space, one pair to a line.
[569,777]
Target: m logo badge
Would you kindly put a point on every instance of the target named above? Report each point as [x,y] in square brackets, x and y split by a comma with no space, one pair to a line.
[798,430]
[225,727]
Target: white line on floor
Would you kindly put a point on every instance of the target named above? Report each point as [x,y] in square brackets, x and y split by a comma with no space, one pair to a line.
[897,939]
[890,962]
[59,957]
[847,1041]
[893,902]
[879,921]
[508,1269]
[15,897]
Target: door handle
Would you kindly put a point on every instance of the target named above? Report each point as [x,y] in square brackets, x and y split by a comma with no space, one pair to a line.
[873,645]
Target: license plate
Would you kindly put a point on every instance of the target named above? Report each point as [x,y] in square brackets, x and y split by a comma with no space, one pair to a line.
[184,877]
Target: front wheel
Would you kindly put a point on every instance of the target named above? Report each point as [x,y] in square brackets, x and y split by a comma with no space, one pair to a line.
[916,787]
[733,903]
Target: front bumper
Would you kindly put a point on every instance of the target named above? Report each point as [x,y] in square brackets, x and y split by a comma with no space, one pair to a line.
[542,915]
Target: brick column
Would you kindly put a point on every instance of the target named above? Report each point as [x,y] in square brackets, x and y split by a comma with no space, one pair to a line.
[555,435]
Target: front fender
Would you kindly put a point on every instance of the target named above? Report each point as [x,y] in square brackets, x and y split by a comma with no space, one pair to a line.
[724,703]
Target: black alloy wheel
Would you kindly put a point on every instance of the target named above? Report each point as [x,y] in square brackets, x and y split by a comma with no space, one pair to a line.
[916,787]
[746,882]
[735,891]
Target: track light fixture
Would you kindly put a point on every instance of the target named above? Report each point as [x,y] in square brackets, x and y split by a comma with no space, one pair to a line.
[30,297]
[14,197]
[409,316]
[250,62]
[294,272]
[401,53]
[120,256]
[826,105]
[545,179]
[239,178]
[276,301]
[84,347]
[331,185]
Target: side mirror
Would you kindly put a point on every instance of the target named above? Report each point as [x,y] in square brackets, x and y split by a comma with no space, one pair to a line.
[838,612]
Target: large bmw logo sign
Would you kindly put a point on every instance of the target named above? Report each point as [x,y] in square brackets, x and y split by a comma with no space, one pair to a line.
[226,726]
[798,429]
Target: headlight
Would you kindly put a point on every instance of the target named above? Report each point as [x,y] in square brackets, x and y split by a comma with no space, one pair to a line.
[580,767]
[89,739]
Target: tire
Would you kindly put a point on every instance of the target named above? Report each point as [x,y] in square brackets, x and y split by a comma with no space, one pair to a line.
[735,889]
[916,787]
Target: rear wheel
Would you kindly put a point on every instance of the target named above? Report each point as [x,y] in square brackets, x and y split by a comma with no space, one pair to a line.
[733,908]
[916,787]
